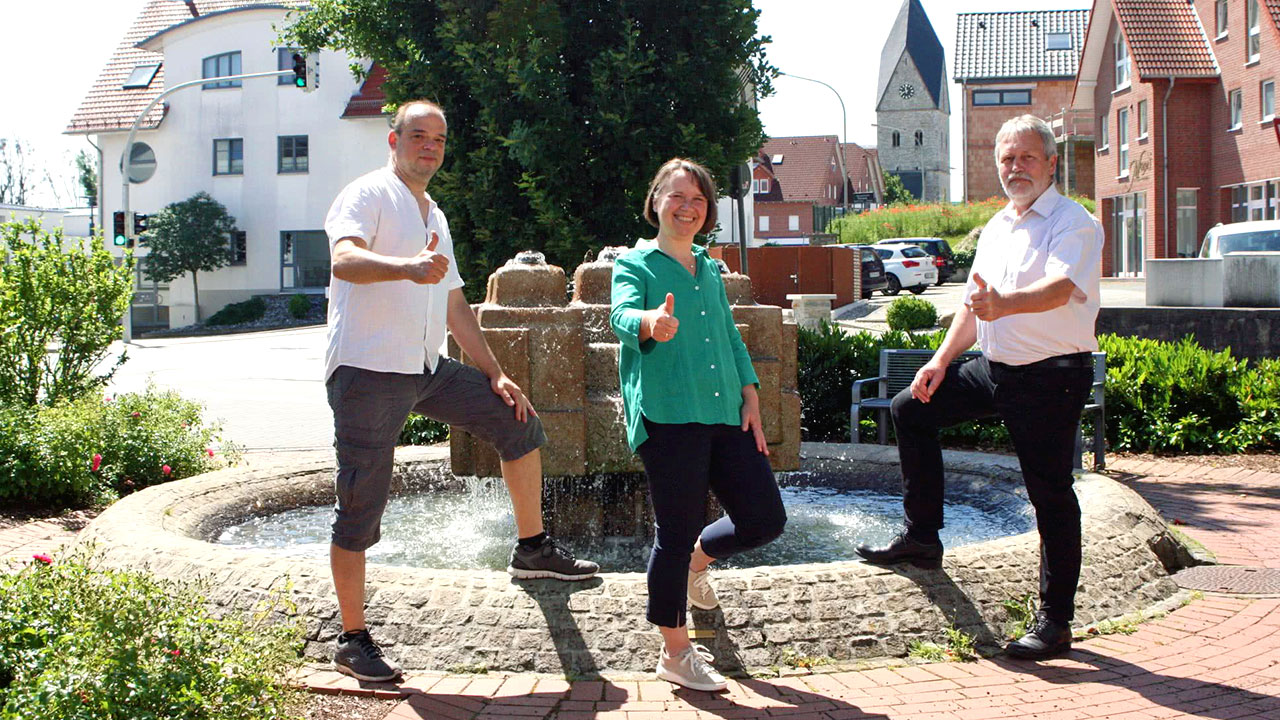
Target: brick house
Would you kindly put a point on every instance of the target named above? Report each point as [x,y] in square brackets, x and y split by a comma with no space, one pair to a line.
[1015,63]
[792,177]
[1184,99]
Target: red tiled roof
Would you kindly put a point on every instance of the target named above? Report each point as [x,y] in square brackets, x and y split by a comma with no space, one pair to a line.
[805,171]
[107,106]
[369,101]
[1165,38]
[1274,7]
[855,165]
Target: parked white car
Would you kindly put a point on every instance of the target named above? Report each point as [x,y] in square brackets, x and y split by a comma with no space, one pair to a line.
[1253,236]
[907,266]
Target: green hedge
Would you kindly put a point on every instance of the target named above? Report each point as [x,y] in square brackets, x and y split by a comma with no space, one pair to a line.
[78,642]
[1161,397]
[97,448]
[242,312]
[420,430]
[911,313]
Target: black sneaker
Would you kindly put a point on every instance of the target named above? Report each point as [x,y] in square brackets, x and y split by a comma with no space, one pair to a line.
[1048,638]
[904,548]
[549,560]
[361,658]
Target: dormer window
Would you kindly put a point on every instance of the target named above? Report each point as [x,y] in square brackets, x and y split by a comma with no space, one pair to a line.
[141,76]
[1057,41]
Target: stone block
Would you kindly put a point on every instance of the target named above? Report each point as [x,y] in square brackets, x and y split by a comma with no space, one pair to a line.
[607,449]
[595,324]
[517,285]
[593,283]
[768,370]
[557,367]
[766,328]
[602,368]
[565,452]
[737,287]
[786,455]
[787,354]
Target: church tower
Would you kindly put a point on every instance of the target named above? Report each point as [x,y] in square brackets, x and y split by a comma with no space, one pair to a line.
[913,115]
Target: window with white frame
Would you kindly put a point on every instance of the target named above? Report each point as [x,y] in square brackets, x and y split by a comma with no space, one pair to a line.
[1267,94]
[221,66]
[760,187]
[1122,139]
[793,222]
[1104,133]
[1220,12]
[764,223]
[228,156]
[1236,100]
[1122,62]
[1187,223]
[1255,30]
[1142,119]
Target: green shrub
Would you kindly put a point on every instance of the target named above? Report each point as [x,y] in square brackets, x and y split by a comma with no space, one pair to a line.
[1178,397]
[56,295]
[299,306]
[95,449]
[420,430]
[78,642]
[911,313]
[242,312]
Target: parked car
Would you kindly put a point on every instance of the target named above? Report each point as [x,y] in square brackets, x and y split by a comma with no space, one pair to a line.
[907,266]
[940,249]
[874,276]
[1253,236]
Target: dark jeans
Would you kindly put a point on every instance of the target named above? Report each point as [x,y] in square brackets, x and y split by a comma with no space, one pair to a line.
[1040,407]
[681,462]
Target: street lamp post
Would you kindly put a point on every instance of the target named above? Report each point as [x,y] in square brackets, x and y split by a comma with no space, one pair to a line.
[844,135]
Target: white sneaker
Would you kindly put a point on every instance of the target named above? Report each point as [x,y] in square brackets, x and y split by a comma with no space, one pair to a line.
[701,594]
[692,669]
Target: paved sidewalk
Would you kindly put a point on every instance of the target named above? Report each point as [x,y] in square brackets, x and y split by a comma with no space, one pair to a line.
[1217,657]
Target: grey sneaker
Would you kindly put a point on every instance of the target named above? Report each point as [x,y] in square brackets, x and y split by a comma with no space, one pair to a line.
[692,669]
[549,560]
[361,658]
[701,594]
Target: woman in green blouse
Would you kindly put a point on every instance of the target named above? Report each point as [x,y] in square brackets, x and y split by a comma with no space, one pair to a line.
[692,412]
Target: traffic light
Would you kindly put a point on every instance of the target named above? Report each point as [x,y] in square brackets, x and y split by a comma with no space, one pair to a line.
[139,225]
[119,237]
[306,72]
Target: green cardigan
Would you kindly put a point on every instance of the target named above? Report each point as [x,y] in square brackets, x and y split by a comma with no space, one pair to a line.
[697,376]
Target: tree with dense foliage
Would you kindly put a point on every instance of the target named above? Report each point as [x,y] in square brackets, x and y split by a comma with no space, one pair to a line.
[560,111]
[895,191]
[87,176]
[60,309]
[189,236]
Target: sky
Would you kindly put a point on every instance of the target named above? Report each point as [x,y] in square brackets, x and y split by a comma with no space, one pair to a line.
[835,41]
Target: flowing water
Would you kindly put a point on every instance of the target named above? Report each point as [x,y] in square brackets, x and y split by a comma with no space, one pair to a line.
[473,528]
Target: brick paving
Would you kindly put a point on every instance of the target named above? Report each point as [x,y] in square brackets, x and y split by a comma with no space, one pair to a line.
[1217,657]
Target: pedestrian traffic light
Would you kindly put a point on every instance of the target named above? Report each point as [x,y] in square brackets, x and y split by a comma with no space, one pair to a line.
[120,229]
[300,70]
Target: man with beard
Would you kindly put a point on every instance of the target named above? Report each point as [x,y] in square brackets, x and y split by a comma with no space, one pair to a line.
[1030,304]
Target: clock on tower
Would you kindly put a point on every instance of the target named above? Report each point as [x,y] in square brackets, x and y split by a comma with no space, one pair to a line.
[906,91]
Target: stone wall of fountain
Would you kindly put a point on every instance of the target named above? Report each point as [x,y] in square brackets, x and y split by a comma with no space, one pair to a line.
[563,353]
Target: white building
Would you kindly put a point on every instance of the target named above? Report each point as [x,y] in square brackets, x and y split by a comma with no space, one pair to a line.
[274,155]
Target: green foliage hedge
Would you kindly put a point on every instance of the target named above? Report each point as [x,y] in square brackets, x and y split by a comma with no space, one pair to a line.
[911,313]
[1161,397]
[95,449]
[78,642]
[235,313]
[419,430]
[299,305]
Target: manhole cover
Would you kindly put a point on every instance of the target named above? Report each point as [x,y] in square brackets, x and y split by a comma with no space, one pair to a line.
[1230,579]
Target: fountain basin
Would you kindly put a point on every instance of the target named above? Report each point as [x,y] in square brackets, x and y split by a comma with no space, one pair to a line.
[440,619]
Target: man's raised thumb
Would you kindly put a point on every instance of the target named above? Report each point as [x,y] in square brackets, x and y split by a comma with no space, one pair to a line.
[435,240]
[670,306]
[982,284]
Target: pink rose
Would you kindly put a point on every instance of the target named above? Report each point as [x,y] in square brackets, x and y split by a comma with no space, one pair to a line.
[45,559]
[96,463]
[166,470]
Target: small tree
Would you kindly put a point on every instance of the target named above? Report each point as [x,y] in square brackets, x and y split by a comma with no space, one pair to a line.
[60,309]
[87,176]
[895,191]
[188,237]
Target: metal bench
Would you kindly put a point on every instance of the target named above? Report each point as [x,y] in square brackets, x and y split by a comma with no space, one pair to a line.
[898,368]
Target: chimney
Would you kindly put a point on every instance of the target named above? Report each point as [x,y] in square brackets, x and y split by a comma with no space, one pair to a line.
[191,5]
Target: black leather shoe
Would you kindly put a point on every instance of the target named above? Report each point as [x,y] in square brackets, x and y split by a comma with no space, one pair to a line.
[1047,639]
[904,548]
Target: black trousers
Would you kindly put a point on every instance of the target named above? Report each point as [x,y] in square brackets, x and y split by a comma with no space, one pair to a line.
[1040,405]
[681,462]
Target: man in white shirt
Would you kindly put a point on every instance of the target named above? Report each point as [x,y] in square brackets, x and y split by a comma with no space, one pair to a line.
[1030,304]
[395,290]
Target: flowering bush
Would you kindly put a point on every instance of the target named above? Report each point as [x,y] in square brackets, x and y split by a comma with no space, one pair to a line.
[97,448]
[79,642]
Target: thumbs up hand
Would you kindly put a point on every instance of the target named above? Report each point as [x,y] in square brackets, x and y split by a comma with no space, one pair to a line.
[428,267]
[986,302]
[661,323]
